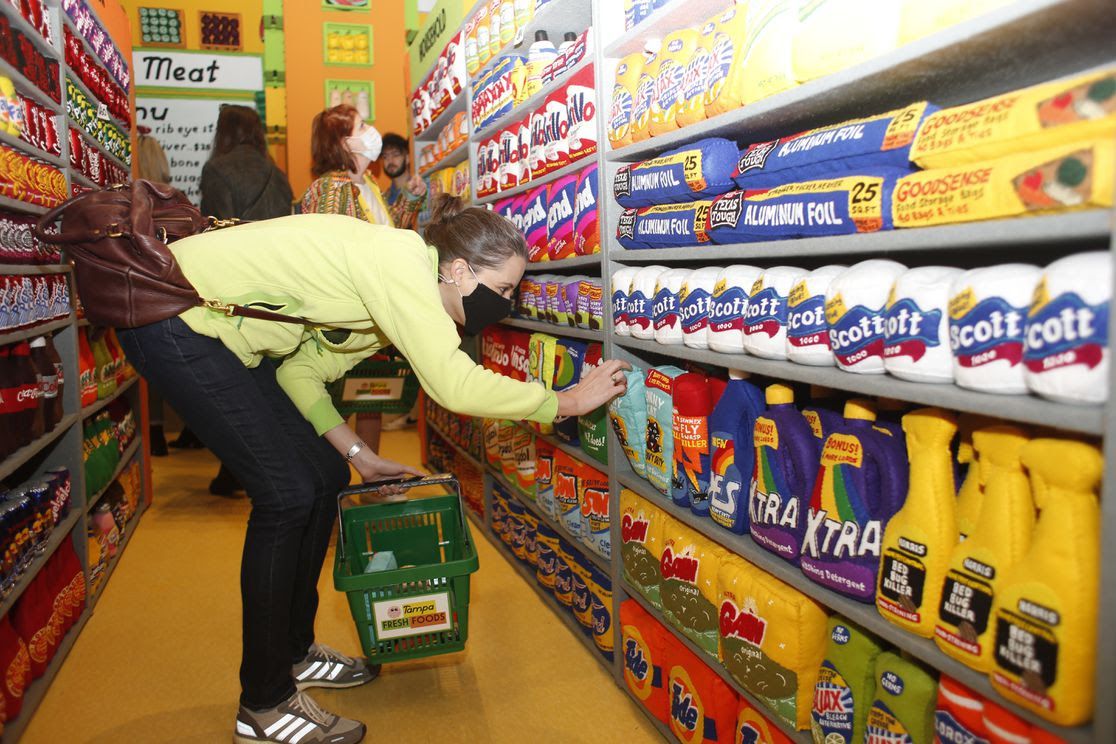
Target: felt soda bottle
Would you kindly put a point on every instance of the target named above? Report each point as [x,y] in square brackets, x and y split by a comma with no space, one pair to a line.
[903,709]
[1045,612]
[1000,539]
[732,453]
[786,463]
[920,537]
[846,684]
[621,111]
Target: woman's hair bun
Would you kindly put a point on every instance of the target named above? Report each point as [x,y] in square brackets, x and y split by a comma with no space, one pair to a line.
[446,207]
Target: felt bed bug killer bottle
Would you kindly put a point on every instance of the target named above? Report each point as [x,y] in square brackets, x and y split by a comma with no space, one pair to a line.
[732,452]
[903,709]
[861,482]
[785,466]
[970,492]
[1045,613]
[919,539]
[998,541]
[846,684]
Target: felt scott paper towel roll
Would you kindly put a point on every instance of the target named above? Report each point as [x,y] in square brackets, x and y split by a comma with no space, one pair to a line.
[917,347]
[665,306]
[765,327]
[695,301]
[987,316]
[730,307]
[807,329]
[621,288]
[855,309]
[1066,354]
[640,301]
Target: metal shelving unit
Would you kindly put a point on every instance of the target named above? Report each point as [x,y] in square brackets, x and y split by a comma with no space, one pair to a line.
[32,331]
[535,326]
[19,206]
[25,454]
[529,105]
[35,269]
[121,389]
[28,149]
[58,535]
[469,457]
[574,262]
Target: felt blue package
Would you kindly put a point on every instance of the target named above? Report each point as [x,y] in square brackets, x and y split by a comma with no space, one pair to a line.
[628,414]
[702,168]
[664,226]
[810,209]
[882,141]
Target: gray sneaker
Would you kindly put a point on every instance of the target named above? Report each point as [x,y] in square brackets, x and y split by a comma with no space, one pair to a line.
[327,667]
[296,720]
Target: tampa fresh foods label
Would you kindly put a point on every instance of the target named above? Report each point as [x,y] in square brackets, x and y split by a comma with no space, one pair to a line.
[398,618]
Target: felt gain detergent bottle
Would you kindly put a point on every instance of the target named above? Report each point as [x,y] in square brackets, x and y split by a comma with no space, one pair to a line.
[998,541]
[1045,612]
[732,457]
[861,482]
[919,539]
[903,710]
[785,466]
[846,684]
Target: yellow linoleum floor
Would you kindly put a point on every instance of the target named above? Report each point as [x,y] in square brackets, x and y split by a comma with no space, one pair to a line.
[157,661]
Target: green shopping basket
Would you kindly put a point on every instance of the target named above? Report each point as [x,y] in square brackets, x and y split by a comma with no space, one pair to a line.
[422,608]
[376,385]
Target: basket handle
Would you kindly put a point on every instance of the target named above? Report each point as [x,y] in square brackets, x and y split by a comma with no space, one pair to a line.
[407,482]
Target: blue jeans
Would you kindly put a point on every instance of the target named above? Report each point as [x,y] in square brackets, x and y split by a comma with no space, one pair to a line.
[292,477]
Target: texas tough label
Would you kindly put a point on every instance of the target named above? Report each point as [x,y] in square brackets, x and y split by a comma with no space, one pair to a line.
[856,334]
[806,323]
[985,331]
[1064,331]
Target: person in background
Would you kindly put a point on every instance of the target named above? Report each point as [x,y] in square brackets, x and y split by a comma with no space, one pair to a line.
[241,181]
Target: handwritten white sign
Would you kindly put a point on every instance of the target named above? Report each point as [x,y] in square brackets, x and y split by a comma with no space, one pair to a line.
[160,68]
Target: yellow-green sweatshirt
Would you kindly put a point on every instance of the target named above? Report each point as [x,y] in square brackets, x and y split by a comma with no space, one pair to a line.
[374,286]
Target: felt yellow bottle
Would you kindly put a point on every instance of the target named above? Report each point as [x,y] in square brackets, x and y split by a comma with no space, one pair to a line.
[1045,614]
[644,92]
[622,110]
[1001,537]
[667,99]
[919,539]
[970,494]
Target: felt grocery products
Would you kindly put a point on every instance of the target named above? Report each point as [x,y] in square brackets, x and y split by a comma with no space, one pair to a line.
[1049,115]
[567,478]
[541,367]
[846,684]
[694,396]
[903,709]
[505,443]
[1066,351]
[15,662]
[998,540]
[1060,178]
[917,345]
[861,483]
[772,639]
[667,99]
[544,477]
[919,19]
[696,76]
[642,525]
[695,300]
[767,66]
[586,227]
[807,329]
[1045,611]
[665,311]
[959,713]
[724,88]
[641,297]
[560,218]
[533,223]
[860,145]
[765,324]
[556,129]
[659,444]
[823,412]
[729,307]
[732,453]
[563,573]
[523,452]
[627,414]
[546,542]
[601,589]
[593,498]
[919,539]
[856,311]
[835,34]
[644,94]
[581,111]
[582,599]
[568,362]
[987,316]
[622,109]
[688,588]
[784,469]
[702,707]
[644,654]
[621,288]
[698,169]
[592,428]
[664,226]
[753,727]
[970,492]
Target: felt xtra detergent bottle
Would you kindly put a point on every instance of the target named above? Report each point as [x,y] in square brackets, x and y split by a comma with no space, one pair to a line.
[786,464]
[861,482]
[1045,612]
[1000,539]
[920,538]
[732,458]
[846,684]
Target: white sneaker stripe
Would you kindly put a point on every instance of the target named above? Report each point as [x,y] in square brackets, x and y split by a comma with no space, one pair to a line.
[244,729]
[278,724]
[324,670]
[337,669]
[298,737]
[295,725]
[309,670]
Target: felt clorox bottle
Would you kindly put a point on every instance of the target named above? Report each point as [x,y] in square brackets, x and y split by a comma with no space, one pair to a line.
[919,539]
[846,684]
[999,540]
[861,482]
[732,453]
[1045,613]
[786,463]
[906,697]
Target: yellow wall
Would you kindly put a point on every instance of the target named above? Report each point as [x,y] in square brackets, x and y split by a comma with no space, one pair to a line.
[250,15]
[307,73]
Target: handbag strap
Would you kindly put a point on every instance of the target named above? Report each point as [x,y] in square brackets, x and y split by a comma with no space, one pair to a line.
[240,311]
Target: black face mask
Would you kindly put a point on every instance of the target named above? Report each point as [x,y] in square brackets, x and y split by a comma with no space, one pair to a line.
[483,307]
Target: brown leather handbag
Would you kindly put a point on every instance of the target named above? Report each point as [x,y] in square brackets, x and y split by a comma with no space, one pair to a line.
[117,238]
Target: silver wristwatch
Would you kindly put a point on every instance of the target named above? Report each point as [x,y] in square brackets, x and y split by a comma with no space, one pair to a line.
[353,451]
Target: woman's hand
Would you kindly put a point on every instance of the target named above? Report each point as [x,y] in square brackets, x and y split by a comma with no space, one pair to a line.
[598,387]
[374,468]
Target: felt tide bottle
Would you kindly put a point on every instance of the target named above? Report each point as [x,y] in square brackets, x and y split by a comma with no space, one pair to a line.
[786,463]
[919,538]
[1000,539]
[846,684]
[1045,613]
[731,426]
[861,481]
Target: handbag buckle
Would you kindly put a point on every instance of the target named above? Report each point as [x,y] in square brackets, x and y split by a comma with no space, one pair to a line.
[114,231]
[217,224]
[220,307]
